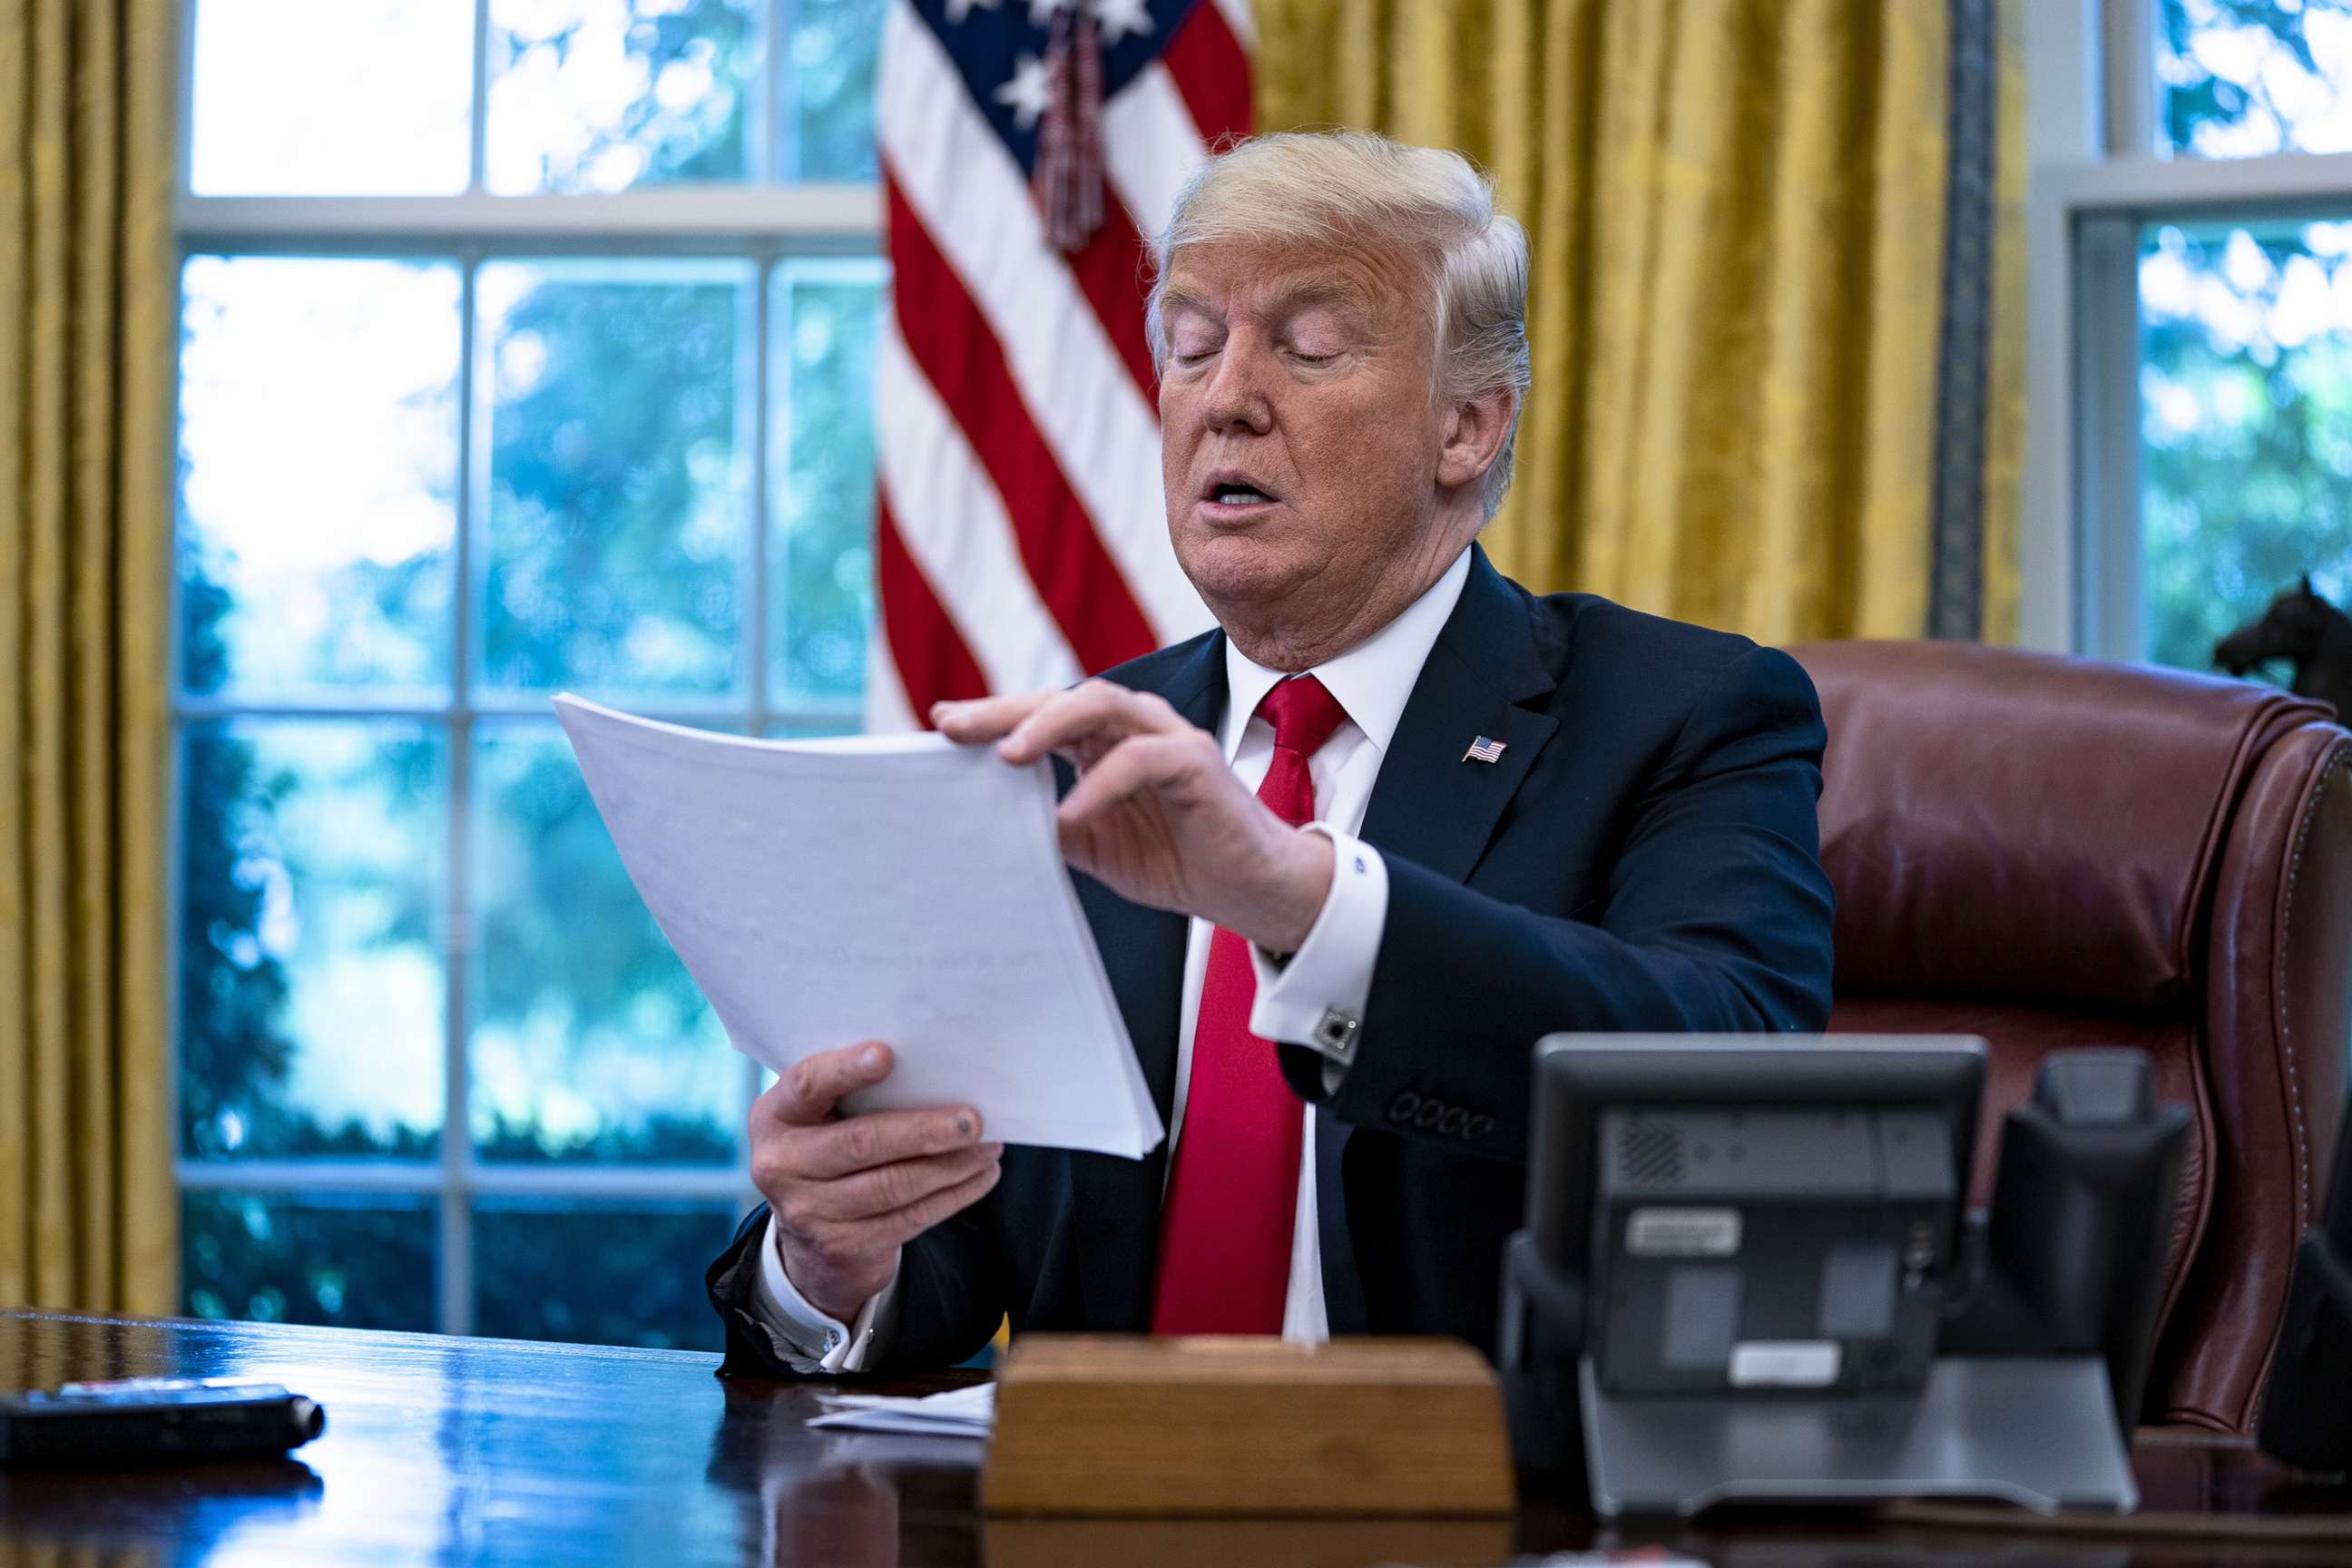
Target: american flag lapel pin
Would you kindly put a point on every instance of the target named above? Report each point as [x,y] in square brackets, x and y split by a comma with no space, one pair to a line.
[1482,750]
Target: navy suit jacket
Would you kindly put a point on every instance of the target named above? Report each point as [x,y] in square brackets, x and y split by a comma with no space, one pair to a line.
[1642,856]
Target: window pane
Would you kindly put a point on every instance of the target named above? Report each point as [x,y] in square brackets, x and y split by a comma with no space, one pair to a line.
[820,380]
[311,913]
[318,474]
[2246,425]
[590,1040]
[356,1260]
[549,1268]
[2237,79]
[357,98]
[828,132]
[616,395]
[600,95]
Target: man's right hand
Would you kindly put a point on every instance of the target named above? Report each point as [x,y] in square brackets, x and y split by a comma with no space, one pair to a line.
[844,1192]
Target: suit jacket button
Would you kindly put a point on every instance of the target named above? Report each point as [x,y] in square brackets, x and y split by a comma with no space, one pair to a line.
[1477,1127]
[1401,1108]
[1455,1120]
[1431,1111]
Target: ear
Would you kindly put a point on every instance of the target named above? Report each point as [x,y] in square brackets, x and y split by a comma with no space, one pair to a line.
[1473,437]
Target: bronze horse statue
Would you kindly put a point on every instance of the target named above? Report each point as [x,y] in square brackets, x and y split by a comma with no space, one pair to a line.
[2304,627]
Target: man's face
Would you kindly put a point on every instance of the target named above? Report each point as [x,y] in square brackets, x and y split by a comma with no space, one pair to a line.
[1300,437]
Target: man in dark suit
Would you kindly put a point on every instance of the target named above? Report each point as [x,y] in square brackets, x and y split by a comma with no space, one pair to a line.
[1347,857]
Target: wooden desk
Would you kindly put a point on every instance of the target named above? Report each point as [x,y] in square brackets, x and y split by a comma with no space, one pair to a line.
[496,1451]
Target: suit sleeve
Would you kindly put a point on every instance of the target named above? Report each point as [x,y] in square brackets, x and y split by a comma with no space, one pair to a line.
[1716,919]
[949,1298]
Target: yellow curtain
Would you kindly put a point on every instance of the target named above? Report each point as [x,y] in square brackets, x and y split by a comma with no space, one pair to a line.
[86,302]
[1736,210]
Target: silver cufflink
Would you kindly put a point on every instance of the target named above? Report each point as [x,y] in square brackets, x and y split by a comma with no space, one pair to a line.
[1335,1034]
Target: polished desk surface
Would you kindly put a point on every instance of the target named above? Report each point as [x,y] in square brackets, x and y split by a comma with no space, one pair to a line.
[502,1451]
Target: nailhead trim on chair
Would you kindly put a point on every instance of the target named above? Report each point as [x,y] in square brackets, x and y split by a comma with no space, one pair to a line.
[2335,764]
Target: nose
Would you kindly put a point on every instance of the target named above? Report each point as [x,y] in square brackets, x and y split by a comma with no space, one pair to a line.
[1237,397]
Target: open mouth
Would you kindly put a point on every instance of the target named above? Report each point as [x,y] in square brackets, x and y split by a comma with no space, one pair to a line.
[1229,488]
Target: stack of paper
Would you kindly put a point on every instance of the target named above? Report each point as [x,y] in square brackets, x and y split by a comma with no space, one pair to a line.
[894,887]
[957,1413]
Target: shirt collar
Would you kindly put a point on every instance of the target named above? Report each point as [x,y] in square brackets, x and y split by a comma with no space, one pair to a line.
[1371,681]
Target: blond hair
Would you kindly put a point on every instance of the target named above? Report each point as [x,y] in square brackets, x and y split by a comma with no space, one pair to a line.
[1352,188]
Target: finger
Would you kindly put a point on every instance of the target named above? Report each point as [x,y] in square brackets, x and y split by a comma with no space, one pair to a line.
[811,1088]
[903,1226]
[1146,762]
[861,1143]
[987,717]
[1097,710]
[865,1195]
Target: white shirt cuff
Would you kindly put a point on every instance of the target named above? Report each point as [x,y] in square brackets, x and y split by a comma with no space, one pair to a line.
[1317,998]
[805,1338]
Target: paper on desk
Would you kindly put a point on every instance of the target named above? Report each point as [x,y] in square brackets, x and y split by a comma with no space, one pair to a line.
[894,887]
[959,1413]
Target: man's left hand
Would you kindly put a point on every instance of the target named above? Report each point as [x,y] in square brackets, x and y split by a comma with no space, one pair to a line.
[1157,815]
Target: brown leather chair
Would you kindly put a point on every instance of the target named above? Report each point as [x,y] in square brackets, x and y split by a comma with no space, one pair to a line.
[2051,852]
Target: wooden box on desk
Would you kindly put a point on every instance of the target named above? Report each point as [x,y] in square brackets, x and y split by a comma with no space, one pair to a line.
[1115,1425]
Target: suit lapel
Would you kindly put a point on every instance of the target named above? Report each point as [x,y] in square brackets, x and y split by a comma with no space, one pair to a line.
[1117,1201]
[1433,804]
[1437,807]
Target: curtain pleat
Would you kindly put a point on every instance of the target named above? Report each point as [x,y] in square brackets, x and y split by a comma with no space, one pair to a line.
[1736,210]
[2004,440]
[86,1214]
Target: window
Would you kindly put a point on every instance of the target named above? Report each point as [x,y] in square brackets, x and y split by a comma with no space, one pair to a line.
[2203,253]
[2239,78]
[2246,423]
[525,346]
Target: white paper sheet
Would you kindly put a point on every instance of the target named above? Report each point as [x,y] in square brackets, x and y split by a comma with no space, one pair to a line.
[957,1413]
[894,888]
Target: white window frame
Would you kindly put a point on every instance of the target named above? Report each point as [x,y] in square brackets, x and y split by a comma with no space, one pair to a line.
[762,222]
[2095,179]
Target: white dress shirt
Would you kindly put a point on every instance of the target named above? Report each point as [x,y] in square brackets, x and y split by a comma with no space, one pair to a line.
[1331,973]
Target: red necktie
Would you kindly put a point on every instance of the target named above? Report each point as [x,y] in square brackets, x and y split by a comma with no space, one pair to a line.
[1232,1197]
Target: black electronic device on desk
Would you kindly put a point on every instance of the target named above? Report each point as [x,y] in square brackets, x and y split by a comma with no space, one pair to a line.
[2307,1406]
[1749,1273]
[139,1420]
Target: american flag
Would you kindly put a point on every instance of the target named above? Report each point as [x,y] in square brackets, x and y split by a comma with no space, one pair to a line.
[1482,750]
[1021,539]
